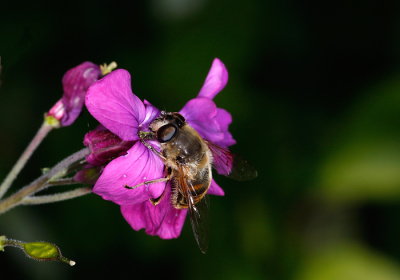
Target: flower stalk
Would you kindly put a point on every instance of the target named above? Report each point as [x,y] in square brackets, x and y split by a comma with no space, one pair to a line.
[62,182]
[60,170]
[32,200]
[40,135]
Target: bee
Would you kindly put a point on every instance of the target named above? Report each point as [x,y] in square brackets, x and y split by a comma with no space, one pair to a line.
[188,159]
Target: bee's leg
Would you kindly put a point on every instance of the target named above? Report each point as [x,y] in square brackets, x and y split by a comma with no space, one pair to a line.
[168,174]
[154,150]
[157,200]
[147,183]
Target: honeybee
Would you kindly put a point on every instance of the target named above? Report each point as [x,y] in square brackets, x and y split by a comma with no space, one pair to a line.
[188,159]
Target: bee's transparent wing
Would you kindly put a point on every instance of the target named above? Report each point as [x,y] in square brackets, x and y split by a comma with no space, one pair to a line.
[199,212]
[230,164]
[200,219]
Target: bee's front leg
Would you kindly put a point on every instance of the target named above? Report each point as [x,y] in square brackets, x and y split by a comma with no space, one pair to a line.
[147,183]
[143,135]
[151,148]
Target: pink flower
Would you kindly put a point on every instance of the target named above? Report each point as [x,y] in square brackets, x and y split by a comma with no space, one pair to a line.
[112,103]
[76,82]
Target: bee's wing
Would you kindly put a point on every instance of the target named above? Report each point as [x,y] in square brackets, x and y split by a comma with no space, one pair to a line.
[199,214]
[230,164]
[199,218]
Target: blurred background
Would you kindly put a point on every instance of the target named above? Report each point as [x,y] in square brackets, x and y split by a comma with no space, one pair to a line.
[314,91]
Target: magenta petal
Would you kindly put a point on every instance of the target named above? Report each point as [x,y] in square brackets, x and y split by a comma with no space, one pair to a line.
[113,104]
[215,189]
[173,223]
[216,80]
[151,113]
[162,220]
[144,215]
[201,114]
[224,119]
[75,84]
[139,165]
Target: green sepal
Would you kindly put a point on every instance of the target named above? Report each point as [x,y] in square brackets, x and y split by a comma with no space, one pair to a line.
[52,121]
[45,170]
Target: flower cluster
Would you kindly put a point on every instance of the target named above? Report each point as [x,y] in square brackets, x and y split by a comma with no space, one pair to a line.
[111,101]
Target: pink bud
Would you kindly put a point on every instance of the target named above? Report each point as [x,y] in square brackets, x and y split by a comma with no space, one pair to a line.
[105,146]
[57,111]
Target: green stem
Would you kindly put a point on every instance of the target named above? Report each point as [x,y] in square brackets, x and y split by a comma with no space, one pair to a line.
[67,261]
[40,135]
[58,171]
[32,200]
[13,243]
[62,182]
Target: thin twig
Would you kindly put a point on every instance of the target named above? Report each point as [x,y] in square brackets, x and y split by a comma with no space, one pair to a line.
[56,197]
[62,182]
[58,171]
[42,132]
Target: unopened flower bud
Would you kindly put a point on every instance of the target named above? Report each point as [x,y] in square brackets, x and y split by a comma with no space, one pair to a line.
[40,251]
[57,111]
[89,174]
[104,146]
[56,114]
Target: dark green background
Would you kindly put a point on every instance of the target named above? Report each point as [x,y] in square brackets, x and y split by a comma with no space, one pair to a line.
[314,91]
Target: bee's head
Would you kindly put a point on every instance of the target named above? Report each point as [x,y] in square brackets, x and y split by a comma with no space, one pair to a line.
[166,126]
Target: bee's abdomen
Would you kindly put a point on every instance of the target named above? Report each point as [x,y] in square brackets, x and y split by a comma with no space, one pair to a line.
[196,188]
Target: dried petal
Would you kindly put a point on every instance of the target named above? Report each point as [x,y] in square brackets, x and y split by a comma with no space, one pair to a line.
[76,82]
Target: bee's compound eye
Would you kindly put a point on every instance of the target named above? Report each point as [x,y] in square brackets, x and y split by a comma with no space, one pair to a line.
[166,133]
